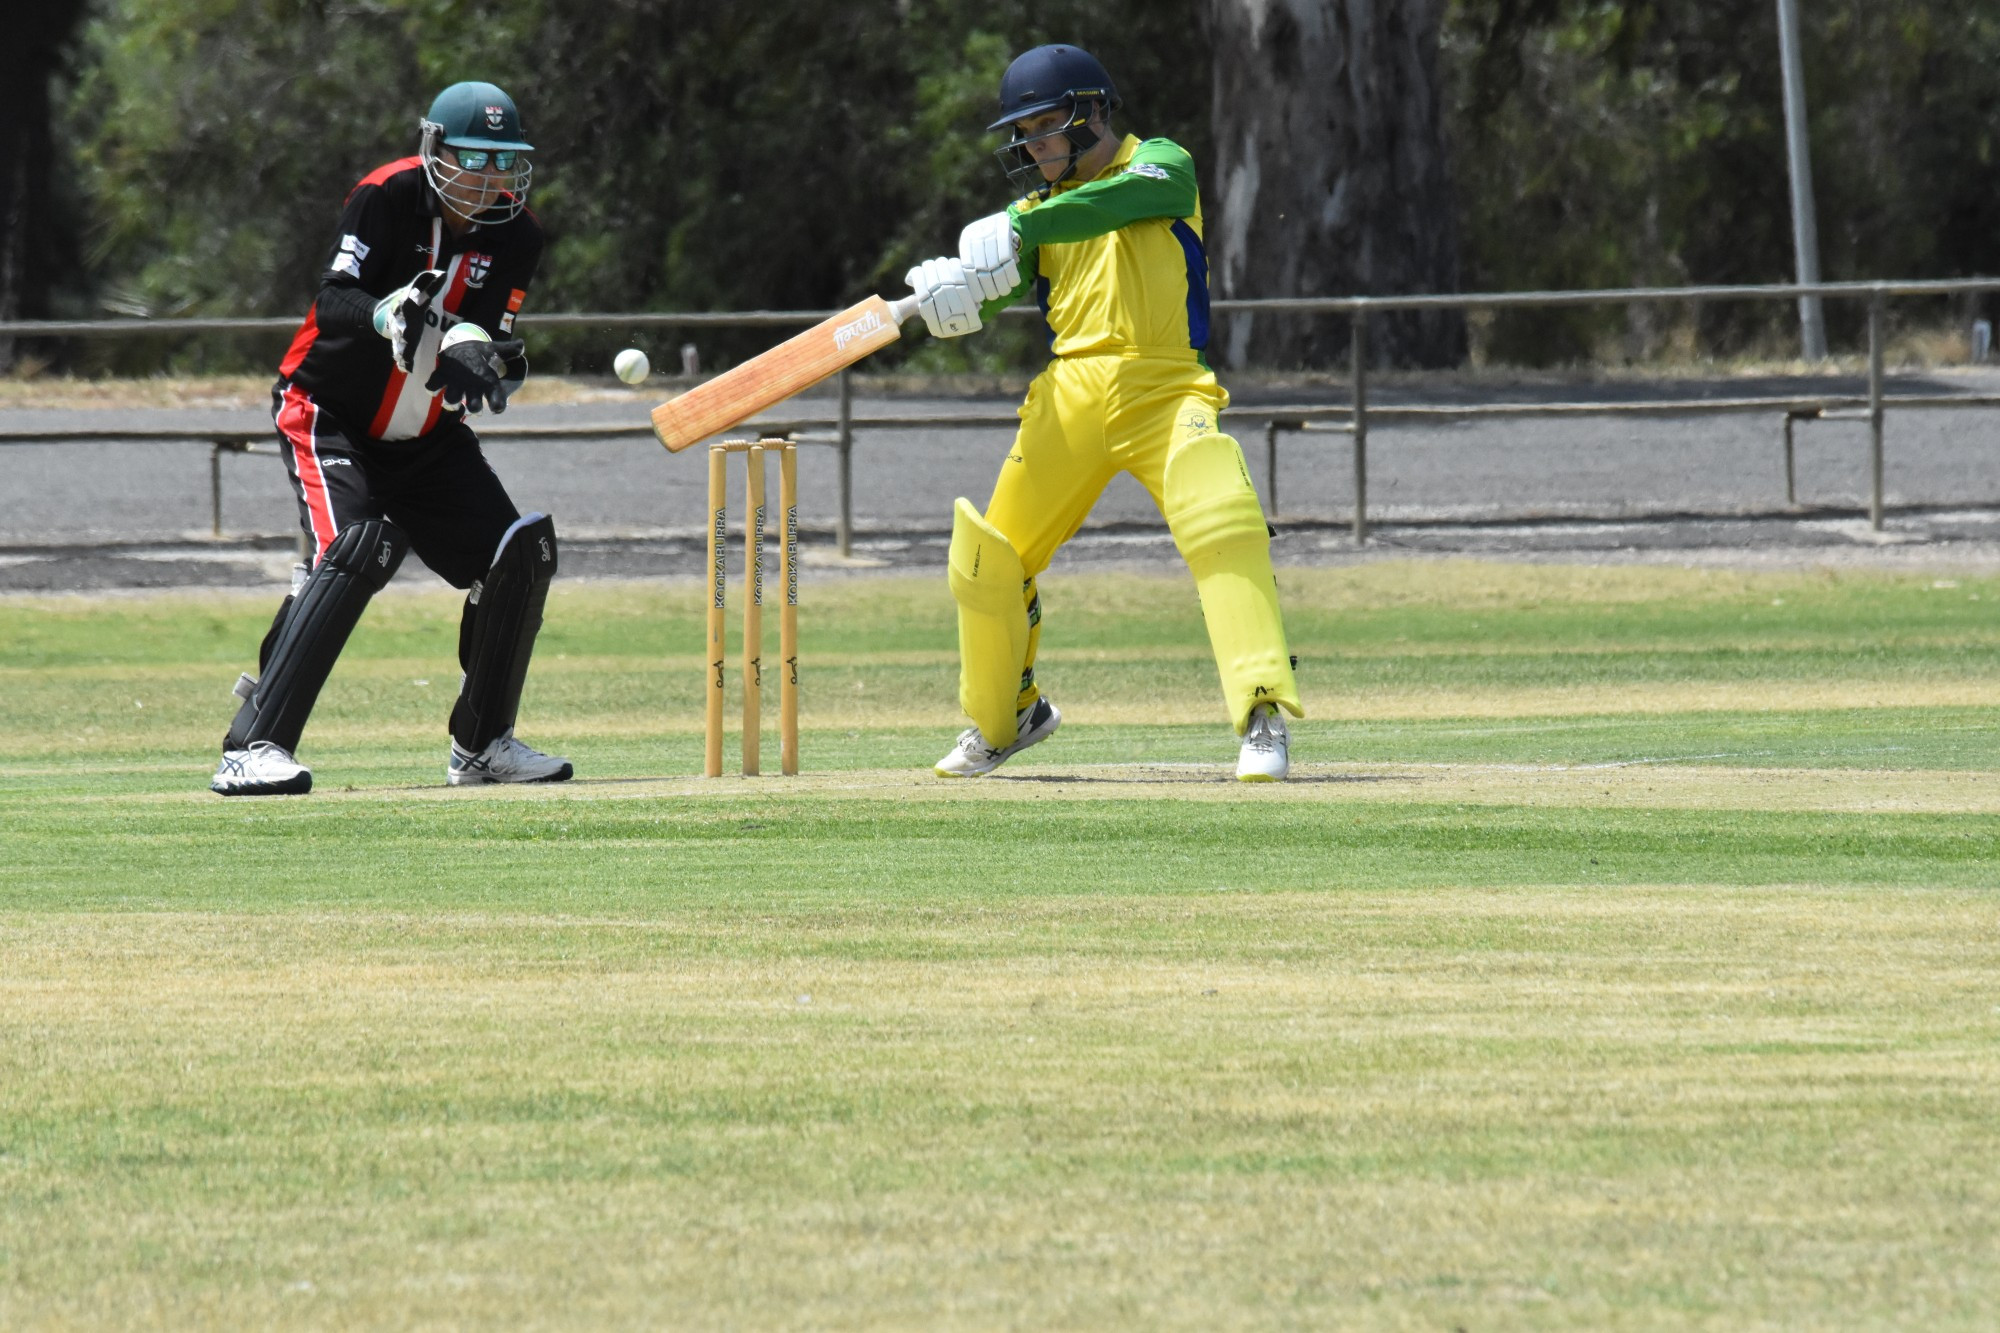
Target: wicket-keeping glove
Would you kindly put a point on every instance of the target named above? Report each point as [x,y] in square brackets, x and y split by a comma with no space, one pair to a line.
[471,369]
[399,316]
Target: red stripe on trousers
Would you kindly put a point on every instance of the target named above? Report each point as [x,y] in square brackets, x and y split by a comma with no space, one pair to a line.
[298,421]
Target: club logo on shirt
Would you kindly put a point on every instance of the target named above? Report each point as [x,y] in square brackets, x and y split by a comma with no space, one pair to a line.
[476,269]
[1147,169]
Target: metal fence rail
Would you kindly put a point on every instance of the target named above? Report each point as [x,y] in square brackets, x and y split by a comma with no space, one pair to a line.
[1283,305]
[1353,418]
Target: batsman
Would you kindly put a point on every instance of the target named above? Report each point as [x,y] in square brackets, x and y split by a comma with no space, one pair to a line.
[410,331]
[1108,236]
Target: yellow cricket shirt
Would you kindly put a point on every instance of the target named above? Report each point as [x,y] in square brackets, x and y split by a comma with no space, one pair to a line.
[1117,262]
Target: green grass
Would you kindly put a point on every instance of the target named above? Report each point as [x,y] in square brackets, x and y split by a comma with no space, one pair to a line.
[1622,956]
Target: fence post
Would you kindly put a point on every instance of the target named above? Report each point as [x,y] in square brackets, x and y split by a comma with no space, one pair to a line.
[1271,465]
[1791,464]
[1358,354]
[1875,410]
[215,489]
[844,442]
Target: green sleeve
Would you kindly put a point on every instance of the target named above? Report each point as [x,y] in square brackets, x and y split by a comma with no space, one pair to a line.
[1157,183]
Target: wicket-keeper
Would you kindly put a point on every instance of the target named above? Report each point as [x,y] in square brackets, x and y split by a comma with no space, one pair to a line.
[410,332]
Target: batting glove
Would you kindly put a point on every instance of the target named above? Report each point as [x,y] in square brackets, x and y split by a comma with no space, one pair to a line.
[990,250]
[944,296]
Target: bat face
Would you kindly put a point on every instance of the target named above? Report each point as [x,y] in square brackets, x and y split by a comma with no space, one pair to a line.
[796,364]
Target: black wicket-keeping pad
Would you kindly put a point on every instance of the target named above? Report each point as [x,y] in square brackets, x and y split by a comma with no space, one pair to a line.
[496,635]
[357,564]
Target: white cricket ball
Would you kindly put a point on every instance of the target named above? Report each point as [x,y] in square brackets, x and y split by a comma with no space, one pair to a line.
[631,365]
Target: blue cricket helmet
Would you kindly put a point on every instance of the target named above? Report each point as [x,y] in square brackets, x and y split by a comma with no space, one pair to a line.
[1049,77]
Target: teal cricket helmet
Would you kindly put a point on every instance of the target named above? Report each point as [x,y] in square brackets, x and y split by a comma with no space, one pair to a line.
[485,176]
[477,115]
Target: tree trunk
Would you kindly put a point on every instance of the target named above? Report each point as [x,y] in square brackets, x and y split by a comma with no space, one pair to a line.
[29,60]
[1331,177]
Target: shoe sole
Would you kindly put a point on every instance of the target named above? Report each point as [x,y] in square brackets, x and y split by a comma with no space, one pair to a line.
[297,786]
[481,780]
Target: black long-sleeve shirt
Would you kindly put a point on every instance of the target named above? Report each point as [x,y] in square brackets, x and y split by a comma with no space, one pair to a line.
[391,229]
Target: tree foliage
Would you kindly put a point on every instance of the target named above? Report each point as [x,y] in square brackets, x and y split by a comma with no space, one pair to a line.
[33,242]
[794,154]
[691,156]
[1641,142]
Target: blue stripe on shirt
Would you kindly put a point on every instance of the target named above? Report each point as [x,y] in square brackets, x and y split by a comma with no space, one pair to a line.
[1197,283]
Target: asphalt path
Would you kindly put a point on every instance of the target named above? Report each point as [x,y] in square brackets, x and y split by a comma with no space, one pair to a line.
[137,513]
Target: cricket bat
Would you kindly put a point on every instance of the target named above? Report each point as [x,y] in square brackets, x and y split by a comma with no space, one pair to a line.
[794,365]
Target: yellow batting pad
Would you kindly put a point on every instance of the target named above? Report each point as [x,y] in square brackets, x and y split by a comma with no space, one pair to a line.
[1212,510]
[986,580]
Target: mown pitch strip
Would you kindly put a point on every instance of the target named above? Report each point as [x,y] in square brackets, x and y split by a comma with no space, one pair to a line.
[1621,955]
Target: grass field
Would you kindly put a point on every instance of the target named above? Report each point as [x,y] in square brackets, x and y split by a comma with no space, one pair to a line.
[1624,954]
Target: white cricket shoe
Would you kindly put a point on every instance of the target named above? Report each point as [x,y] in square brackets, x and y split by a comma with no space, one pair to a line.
[505,760]
[264,769]
[1266,755]
[973,756]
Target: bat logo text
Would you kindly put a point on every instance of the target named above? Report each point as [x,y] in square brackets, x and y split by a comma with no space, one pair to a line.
[848,332]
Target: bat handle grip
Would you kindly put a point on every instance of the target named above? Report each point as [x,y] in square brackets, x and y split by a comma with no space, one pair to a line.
[901,309]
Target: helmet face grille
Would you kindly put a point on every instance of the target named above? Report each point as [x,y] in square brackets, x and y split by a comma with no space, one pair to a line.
[485,197]
[1024,172]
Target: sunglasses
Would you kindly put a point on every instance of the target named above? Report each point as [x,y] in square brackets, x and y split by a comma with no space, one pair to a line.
[479,159]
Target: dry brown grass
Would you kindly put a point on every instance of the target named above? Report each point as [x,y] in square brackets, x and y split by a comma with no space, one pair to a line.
[1657,1107]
